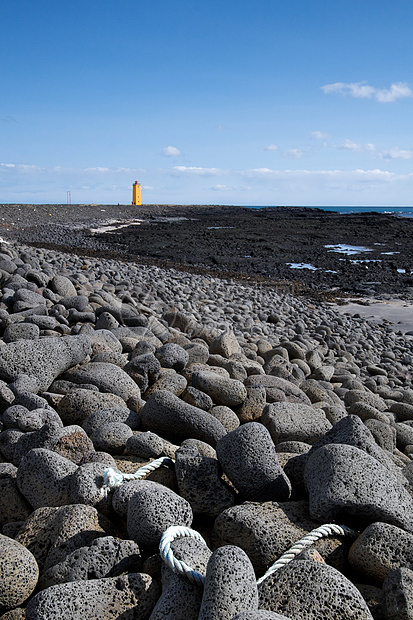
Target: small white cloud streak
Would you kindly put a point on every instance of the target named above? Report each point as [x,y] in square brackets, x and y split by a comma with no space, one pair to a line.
[396,153]
[349,145]
[362,90]
[198,170]
[320,135]
[294,153]
[270,147]
[171,151]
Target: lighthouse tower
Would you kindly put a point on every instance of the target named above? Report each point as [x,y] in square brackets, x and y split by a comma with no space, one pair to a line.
[136,193]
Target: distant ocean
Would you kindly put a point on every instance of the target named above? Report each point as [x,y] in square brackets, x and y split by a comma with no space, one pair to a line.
[401,211]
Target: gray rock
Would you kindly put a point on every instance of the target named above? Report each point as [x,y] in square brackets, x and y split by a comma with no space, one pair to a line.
[107,377]
[181,599]
[398,595]
[170,417]
[86,486]
[63,286]
[222,390]
[45,437]
[294,422]
[351,431]
[111,437]
[261,614]
[104,340]
[383,433]
[380,549]
[404,435]
[198,353]
[200,483]
[226,344]
[114,414]
[21,331]
[51,534]
[197,398]
[144,369]
[128,596]
[13,506]
[253,406]
[43,478]
[18,573]
[365,396]
[172,355]
[73,443]
[45,358]
[345,483]
[226,416]
[230,585]
[278,389]
[98,457]
[105,557]
[248,457]
[145,445]
[308,589]
[6,396]
[19,417]
[263,530]
[297,447]
[8,442]
[75,302]
[151,510]
[169,380]
[80,403]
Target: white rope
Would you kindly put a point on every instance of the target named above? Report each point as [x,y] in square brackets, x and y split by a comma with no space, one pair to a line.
[320,532]
[178,566]
[113,478]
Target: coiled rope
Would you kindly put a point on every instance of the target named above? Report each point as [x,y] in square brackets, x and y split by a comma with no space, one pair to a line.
[113,478]
[180,567]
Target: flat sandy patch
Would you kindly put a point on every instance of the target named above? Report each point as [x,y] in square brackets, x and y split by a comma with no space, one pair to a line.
[395,311]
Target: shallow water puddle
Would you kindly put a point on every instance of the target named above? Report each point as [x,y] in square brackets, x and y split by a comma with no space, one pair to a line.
[110,228]
[342,248]
[302,266]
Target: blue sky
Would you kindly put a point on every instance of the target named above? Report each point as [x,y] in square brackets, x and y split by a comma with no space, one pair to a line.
[254,102]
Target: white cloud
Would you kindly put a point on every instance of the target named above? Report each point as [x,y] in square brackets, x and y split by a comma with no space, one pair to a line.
[320,135]
[171,151]
[197,170]
[362,90]
[396,153]
[349,145]
[294,153]
[270,147]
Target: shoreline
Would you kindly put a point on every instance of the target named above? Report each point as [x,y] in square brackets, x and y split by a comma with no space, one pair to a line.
[265,245]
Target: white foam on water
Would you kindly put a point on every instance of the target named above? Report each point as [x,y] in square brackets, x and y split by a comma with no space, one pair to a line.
[389,253]
[4,241]
[218,227]
[342,248]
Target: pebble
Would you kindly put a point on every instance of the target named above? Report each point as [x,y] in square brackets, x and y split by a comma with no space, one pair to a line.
[230,585]
[109,598]
[110,364]
[248,457]
[18,573]
[151,510]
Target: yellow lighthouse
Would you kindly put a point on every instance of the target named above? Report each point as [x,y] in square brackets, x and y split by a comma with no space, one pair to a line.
[136,193]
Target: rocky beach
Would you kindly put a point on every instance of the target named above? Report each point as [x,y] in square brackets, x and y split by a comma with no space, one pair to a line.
[183,333]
